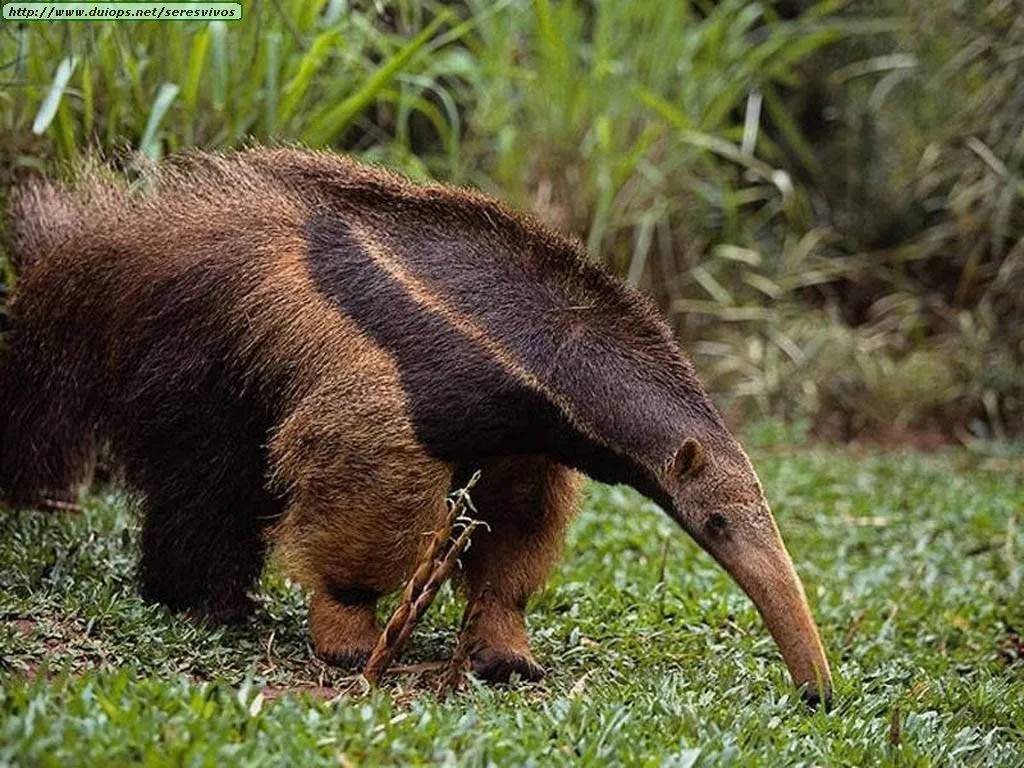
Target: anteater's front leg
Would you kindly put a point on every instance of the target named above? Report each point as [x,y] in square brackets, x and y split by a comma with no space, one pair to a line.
[344,628]
[365,498]
[527,502]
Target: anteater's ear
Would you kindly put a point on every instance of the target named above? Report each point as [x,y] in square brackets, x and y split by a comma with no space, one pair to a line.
[689,458]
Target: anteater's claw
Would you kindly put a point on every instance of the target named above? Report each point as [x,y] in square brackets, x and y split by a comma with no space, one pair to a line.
[497,666]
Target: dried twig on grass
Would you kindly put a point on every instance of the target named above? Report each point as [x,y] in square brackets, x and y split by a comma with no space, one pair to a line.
[437,565]
[57,505]
[48,505]
[454,673]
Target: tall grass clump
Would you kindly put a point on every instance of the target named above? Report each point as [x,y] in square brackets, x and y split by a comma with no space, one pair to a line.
[297,70]
[867,275]
[628,123]
[633,123]
[294,71]
[920,323]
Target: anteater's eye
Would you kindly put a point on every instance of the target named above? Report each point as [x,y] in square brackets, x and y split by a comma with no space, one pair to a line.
[716,524]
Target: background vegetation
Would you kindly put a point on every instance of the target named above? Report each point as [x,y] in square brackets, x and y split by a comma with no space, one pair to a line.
[824,196]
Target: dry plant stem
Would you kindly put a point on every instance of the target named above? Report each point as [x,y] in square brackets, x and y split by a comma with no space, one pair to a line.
[59,506]
[424,667]
[388,644]
[48,505]
[437,564]
[454,672]
[417,598]
[440,574]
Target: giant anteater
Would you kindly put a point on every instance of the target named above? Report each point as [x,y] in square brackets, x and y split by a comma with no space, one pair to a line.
[285,345]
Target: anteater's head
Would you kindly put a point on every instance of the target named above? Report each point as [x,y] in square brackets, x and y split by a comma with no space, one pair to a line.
[716,496]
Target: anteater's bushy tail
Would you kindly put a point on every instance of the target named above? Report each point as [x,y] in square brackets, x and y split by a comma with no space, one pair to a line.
[43,445]
[40,216]
[43,214]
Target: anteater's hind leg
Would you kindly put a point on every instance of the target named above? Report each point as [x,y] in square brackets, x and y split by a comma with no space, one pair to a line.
[365,497]
[527,501]
[205,513]
[202,557]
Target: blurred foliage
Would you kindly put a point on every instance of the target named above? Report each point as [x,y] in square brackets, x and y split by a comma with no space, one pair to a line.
[824,196]
[920,188]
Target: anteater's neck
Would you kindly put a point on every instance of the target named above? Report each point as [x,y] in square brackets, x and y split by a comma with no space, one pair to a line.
[506,340]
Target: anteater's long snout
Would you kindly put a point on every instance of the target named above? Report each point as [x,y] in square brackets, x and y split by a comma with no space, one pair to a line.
[765,572]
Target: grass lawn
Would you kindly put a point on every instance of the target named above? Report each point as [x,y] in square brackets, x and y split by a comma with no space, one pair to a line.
[912,563]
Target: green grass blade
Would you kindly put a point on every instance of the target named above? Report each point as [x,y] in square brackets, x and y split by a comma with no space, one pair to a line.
[150,144]
[330,123]
[218,34]
[194,73]
[309,67]
[270,83]
[48,109]
[334,11]
[88,98]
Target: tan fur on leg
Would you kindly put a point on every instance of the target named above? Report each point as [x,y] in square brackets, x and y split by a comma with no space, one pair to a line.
[343,635]
[365,497]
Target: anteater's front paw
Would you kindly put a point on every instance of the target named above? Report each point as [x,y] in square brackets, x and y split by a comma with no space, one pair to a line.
[497,665]
[343,635]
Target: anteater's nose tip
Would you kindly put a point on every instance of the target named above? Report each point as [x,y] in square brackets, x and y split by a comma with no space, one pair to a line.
[813,699]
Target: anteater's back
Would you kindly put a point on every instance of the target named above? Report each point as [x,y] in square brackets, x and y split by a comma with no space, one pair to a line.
[220,290]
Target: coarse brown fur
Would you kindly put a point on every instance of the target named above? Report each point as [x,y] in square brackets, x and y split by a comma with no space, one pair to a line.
[287,342]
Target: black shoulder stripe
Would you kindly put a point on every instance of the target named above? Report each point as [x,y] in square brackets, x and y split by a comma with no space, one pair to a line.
[464,404]
[564,322]
[460,398]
